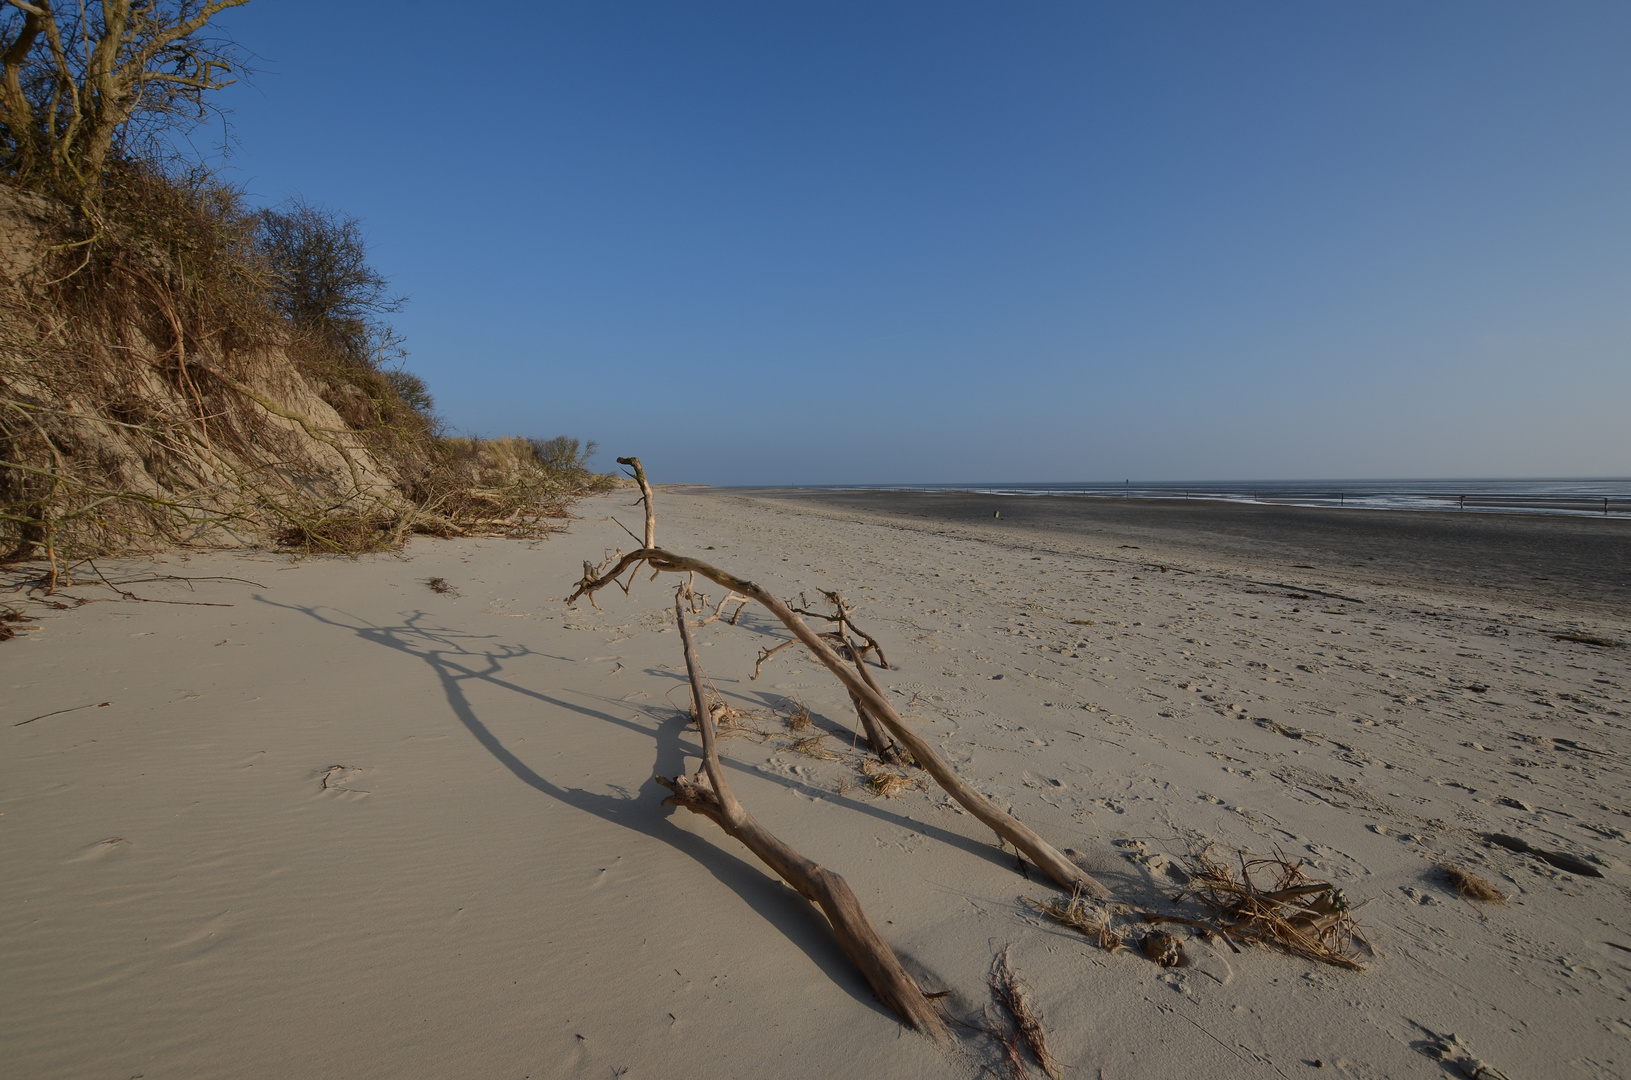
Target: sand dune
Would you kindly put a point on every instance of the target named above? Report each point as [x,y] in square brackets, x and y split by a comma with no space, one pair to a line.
[352,826]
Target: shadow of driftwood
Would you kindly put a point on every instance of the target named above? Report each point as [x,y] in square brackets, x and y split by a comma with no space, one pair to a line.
[458,658]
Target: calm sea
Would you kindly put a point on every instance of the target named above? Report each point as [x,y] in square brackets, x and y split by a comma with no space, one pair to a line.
[1597,498]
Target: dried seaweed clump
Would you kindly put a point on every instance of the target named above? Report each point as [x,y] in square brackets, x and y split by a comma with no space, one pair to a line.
[1294,913]
[1010,994]
[1470,885]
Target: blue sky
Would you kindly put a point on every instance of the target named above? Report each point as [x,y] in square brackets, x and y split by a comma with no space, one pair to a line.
[840,243]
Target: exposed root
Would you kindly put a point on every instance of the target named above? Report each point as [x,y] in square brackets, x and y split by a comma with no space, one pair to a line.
[765,654]
[698,603]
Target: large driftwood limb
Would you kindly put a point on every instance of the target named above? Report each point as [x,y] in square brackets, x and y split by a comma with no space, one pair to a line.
[827,890]
[645,497]
[1046,857]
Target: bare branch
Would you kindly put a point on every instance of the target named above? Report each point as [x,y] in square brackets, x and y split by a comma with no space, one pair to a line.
[645,497]
[766,654]
[842,614]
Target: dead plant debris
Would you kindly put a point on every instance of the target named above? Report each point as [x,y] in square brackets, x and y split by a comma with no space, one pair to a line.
[811,746]
[1588,639]
[439,585]
[886,782]
[59,712]
[1294,913]
[1163,948]
[1011,997]
[1085,914]
[1470,885]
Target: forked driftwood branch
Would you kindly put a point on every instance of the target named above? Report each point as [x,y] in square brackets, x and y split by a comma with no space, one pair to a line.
[823,888]
[639,474]
[766,654]
[698,603]
[841,615]
[859,683]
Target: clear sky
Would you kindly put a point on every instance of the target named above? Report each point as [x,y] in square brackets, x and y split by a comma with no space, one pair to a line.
[891,242]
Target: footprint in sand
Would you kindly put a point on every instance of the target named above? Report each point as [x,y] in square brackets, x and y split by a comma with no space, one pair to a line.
[102,849]
[339,781]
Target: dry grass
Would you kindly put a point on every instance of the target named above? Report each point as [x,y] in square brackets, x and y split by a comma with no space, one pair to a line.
[1470,885]
[811,747]
[1294,912]
[886,782]
[1084,914]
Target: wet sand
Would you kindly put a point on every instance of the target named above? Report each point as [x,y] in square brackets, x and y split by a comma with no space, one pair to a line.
[1544,558]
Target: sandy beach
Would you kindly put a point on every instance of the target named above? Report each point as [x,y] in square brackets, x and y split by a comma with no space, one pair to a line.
[311,817]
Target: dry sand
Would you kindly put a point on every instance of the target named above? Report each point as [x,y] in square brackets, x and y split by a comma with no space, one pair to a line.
[349,826]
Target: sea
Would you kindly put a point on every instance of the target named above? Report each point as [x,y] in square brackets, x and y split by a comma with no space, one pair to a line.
[1589,498]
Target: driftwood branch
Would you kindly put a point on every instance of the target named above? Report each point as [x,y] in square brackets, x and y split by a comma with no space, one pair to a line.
[881,744]
[766,654]
[1046,857]
[719,612]
[877,741]
[841,616]
[827,890]
[645,497]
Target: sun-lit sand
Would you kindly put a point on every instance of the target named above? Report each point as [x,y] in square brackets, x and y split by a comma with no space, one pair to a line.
[347,825]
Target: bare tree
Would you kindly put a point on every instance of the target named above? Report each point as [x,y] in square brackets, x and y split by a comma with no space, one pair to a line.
[82,81]
[323,282]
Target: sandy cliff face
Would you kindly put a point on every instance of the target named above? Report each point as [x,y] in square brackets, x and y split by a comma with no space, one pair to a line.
[136,411]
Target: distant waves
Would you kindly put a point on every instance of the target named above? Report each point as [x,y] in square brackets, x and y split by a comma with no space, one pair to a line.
[1600,498]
